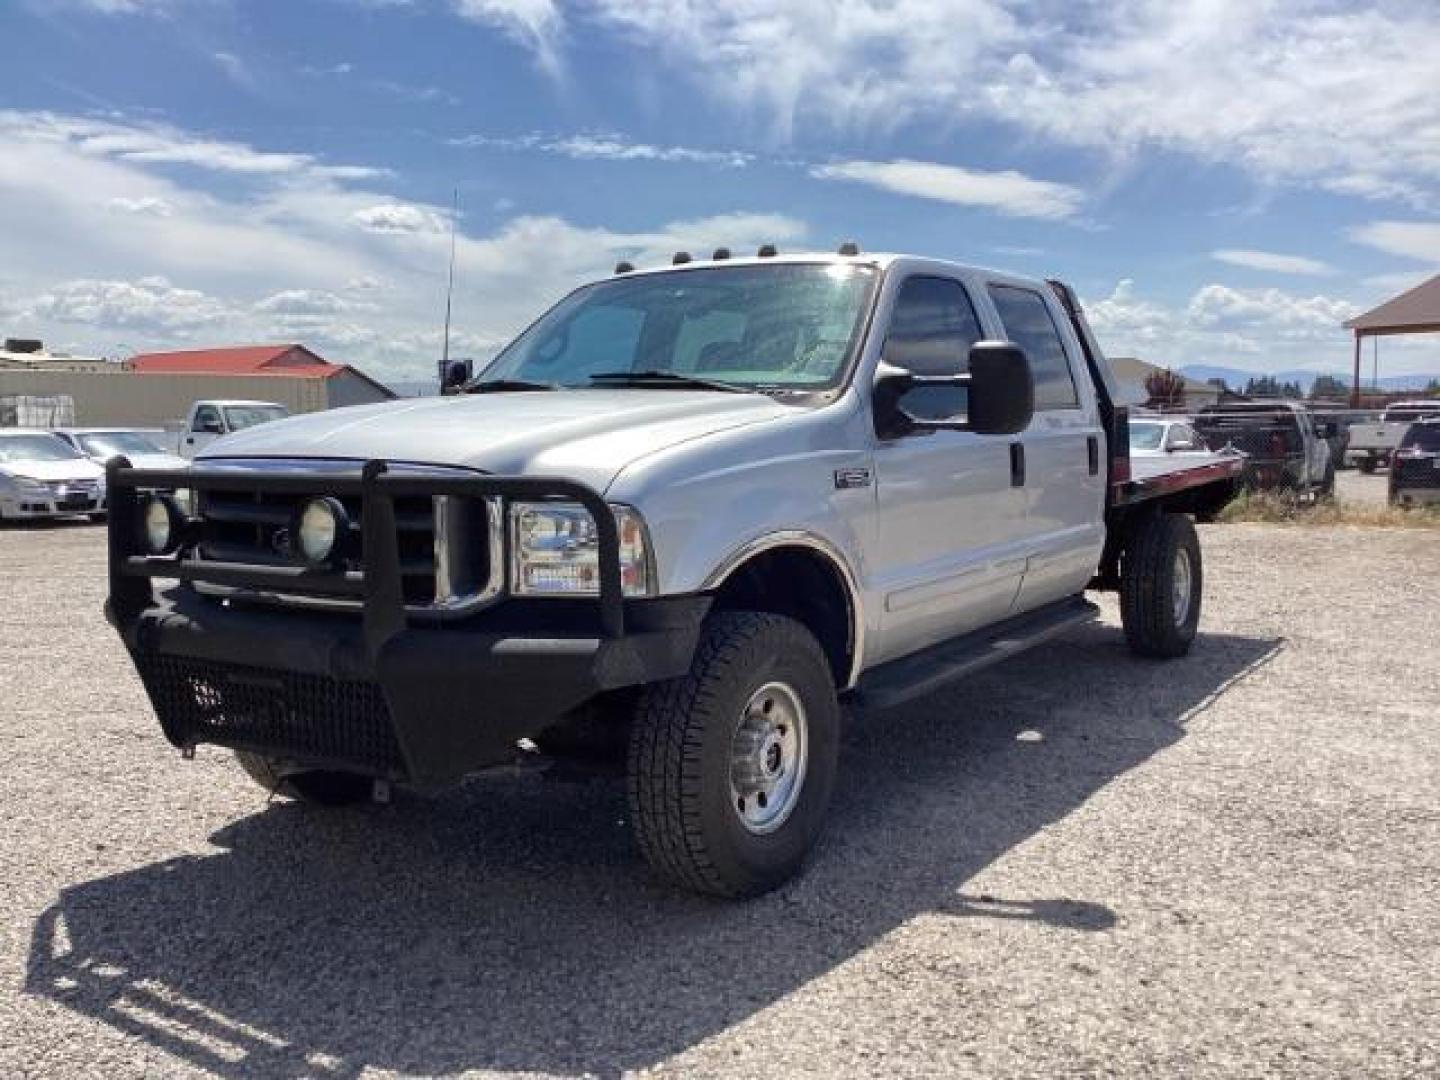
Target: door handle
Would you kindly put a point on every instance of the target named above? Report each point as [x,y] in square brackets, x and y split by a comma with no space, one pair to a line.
[1017,464]
[1092,447]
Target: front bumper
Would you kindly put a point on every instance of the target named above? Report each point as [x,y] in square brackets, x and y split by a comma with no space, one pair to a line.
[378,691]
[23,505]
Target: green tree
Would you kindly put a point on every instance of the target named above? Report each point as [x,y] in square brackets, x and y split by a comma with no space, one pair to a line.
[1327,387]
[1165,389]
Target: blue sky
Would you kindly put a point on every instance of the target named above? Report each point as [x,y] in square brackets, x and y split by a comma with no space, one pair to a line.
[1223,180]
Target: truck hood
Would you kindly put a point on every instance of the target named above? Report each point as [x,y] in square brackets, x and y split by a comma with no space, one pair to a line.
[584,435]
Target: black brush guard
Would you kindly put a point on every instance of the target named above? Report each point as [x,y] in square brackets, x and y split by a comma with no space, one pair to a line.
[390,694]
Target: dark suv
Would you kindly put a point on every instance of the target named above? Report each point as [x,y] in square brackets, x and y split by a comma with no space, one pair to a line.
[1415,468]
[1285,448]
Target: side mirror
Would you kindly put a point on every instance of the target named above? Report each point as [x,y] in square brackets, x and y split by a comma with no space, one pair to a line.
[1002,388]
[457,374]
[1001,392]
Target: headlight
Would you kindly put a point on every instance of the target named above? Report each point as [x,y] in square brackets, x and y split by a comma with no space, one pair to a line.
[556,551]
[160,524]
[319,530]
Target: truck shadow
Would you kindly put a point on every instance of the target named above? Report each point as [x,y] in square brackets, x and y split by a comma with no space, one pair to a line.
[509,925]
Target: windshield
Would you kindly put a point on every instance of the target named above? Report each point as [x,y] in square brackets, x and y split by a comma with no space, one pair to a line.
[239,417]
[1423,437]
[1146,436]
[35,448]
[108,444]
[787,326]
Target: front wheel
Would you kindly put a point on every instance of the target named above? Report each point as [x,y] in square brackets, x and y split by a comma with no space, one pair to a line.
[1160,585]
[731,767]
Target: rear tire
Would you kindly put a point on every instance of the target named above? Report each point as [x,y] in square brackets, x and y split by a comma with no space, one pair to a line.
[324,787]
[1160,586]
[731,766]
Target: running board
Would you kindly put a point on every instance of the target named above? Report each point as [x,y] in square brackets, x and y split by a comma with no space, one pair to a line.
[924,672]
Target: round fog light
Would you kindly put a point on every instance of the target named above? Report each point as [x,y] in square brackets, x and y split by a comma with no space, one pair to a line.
[318,530]
[160,525]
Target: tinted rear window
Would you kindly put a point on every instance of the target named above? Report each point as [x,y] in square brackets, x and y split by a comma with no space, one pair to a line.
[1424,437]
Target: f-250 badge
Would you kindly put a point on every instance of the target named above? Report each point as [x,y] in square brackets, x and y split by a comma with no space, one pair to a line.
[852,478]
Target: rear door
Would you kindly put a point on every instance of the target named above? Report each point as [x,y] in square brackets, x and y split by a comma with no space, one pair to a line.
[950,550]
[1064,474]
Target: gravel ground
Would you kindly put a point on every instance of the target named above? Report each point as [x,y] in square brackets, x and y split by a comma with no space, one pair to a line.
[1076,864]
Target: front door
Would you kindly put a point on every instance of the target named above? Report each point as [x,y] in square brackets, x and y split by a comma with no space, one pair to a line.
[949,556]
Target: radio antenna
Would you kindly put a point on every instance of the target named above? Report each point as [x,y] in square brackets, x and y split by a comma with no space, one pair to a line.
[449,287]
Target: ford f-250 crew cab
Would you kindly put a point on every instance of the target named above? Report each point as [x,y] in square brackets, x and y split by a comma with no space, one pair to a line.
[696,507]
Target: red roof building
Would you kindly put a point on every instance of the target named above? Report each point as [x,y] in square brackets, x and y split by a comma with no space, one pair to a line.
[344,385]
[295,360]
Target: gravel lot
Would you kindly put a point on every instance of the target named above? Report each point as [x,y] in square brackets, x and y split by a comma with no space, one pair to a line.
[1077,864]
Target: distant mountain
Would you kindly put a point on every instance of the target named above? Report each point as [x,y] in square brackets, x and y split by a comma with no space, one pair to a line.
[1236,378]
[415,387]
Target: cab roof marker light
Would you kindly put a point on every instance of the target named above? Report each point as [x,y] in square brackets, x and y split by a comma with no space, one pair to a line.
[766,251]
[721,253]
[623,267]
[849,247]
[680,259]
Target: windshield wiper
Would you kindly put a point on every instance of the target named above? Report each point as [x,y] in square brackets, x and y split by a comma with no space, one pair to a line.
[666,380]
[501,386]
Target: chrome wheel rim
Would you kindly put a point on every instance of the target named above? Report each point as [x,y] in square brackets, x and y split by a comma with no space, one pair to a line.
[768,756]
[1181,598]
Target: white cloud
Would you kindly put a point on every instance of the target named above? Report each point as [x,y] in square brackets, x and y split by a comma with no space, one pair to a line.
[1409,239]
[235,69]
[148,206]
[1314,92]
[607,148]
[150,303]
[1270,260]
[161,144]
[284,254]
[400,218]
[537,24]
[1259,329]
[1008,192]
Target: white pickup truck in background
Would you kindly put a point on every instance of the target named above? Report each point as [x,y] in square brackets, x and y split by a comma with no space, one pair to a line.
[1372,445]
[209,420]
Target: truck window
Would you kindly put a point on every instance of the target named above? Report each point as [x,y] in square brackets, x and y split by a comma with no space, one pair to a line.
[779,326]
[207,418]
[1422,437]
[1028,323]
[931,331]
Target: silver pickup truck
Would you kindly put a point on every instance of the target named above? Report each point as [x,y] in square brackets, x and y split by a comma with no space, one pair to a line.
[689,512]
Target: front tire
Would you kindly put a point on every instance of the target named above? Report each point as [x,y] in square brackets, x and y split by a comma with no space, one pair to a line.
[1160,586]
[731,767]
[324,787]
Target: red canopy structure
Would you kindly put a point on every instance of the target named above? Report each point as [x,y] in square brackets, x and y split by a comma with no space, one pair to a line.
[1414,312]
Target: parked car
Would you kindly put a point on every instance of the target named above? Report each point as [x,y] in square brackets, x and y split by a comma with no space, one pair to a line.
[688,510]
[1372,444]
[102,444]
[1284,447]
[44,477]
[210,420]
[1415,468]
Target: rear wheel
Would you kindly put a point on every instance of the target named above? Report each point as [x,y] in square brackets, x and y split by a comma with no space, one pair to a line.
[1160,586]
[324,787]
[731,767]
